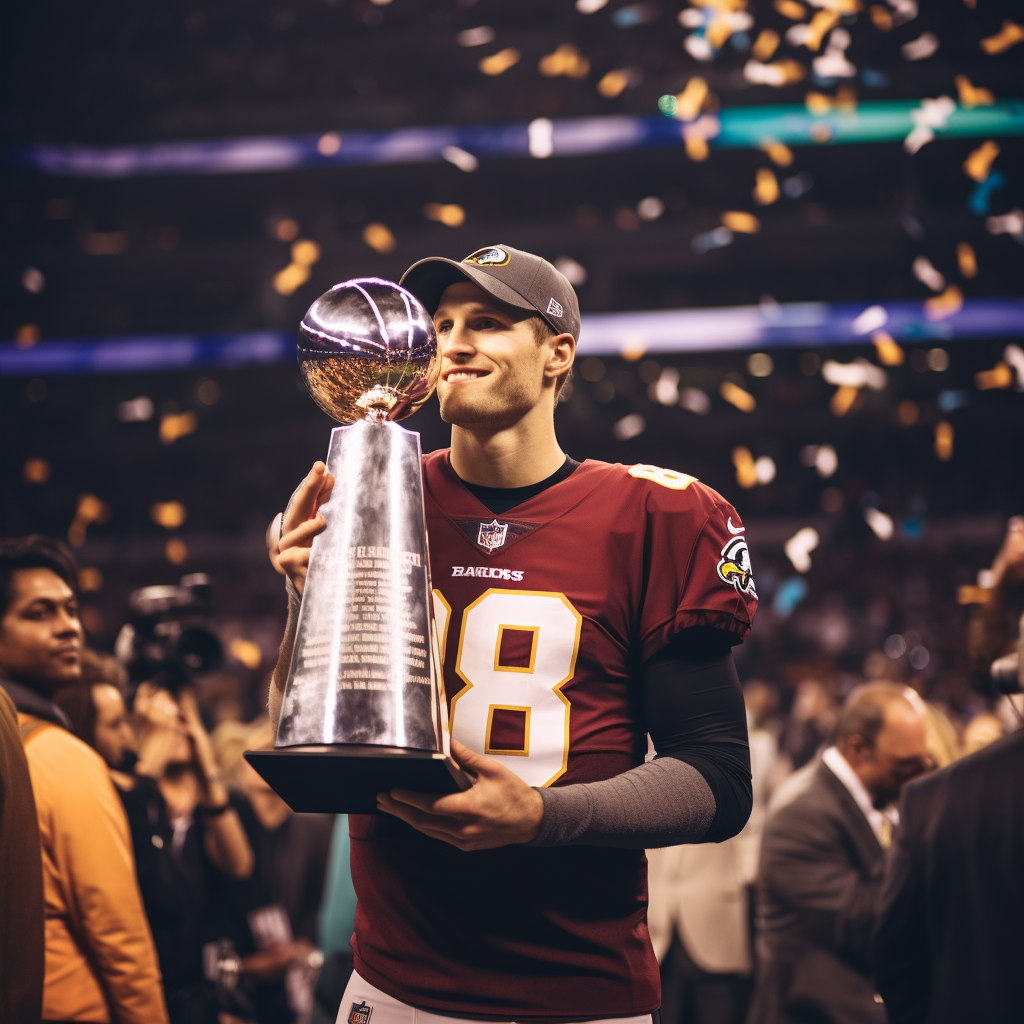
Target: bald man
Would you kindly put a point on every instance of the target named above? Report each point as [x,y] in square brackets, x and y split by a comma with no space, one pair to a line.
[822,861]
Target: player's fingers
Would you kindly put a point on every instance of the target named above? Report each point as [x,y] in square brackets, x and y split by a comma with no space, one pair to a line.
[303,500]
[326,490]
[474,762]
[447,805]
[421,820]
[302,536]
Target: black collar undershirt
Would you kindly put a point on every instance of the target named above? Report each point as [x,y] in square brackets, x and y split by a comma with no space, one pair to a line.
[498,500]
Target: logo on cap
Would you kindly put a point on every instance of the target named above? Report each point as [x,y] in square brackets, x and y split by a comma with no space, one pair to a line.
[492,257]
[555,308]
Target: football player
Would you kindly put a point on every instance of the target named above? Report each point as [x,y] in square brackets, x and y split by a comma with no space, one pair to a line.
[580,606]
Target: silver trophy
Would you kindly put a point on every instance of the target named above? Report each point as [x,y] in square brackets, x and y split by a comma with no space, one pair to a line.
[364,709]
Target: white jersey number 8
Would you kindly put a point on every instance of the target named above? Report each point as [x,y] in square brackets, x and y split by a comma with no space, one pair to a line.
[528,694]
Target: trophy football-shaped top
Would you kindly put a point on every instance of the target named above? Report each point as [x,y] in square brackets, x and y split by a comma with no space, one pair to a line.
[364,708]
[367,350]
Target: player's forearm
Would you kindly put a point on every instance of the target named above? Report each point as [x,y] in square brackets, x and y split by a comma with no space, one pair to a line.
[664,802]
[284,657]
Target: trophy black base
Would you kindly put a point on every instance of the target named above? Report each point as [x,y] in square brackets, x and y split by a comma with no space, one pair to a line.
[346,778]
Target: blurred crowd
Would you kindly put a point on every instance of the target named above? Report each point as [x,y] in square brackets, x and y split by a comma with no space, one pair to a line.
[174,885]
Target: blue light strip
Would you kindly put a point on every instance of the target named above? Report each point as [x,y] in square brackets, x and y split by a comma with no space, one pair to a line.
[602,334]
[740,127]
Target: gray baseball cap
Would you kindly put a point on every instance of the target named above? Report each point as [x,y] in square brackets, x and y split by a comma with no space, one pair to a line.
[512,276]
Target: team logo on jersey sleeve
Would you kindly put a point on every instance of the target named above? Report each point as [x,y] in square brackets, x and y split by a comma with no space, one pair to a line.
[734,566]
[489,257]
[360,1013]
[492,535]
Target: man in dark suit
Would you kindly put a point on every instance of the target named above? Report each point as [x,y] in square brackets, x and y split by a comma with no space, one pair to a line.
[950,941]
[822,862]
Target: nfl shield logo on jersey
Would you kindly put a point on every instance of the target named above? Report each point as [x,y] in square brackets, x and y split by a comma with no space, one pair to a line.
[360,1013]
[492,535]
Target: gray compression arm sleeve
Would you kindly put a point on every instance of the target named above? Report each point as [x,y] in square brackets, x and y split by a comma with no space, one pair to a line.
[663,802]
[284,657]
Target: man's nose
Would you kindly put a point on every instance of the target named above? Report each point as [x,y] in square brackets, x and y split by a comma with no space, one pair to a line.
[68,623]
[459,341]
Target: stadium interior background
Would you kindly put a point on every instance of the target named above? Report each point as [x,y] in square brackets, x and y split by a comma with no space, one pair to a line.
[130,267]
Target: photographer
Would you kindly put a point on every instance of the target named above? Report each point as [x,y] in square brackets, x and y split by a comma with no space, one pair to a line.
[184,830]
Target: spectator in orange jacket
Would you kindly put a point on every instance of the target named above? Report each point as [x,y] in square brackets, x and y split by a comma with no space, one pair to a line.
[100,962]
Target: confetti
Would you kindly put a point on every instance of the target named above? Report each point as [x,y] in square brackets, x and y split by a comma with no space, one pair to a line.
[708,240]
[566,60]
[247,652]
[665,390]
[135,410]
[305,252]
[903,11]
[1014,355]
[650,208]
[760,364]
[498,63]
[740,221]
[379,237]
[766,187]
[629,427]
[289,280]
[1009,35]
[696,135]
[931,115]
[90,510]
[746,471]
[945,305]
[32,280]
[26,335]
[633,349]
[943,441]
[778,152]
[1000,376]
[612,84]
[821,457]
[450,214]
[35,471]
[590,6]
[765,45]
[790,9]
[799,547]
[966,260]
[764,469]
[817,103]
[811,34]
[979,161]
[175,425]
[90,579]
[981,197]
[843,399]
[735,395]
[918,49]
[462,159]
[540,134]
[690,100]
[907,413]
[286,229]
[926,273]
[880,17]
[328,144]
[858,374]
[881,524]
[888,351]
[696,401]
[778,74]
[479,36]
[970,95]
[1011,223]
[168,514]
[870,320]
[575,273]
[175,551]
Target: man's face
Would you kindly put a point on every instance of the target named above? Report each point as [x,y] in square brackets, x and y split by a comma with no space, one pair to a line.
[113,732]
[40,634]
[899,754]
[492,368]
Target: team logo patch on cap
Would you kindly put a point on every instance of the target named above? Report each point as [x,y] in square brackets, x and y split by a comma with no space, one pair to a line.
[555,308]
[734,566]
[360,1013]
[492,535]
[492,257]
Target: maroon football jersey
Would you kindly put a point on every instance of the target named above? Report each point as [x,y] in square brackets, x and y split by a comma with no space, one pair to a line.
[544,616]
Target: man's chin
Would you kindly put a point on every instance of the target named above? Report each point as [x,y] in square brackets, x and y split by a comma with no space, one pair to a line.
[479,414]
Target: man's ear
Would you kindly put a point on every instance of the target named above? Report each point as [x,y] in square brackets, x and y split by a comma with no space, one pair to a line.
[563,351]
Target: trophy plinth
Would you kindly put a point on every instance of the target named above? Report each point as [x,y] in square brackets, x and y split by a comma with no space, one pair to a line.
[364,707]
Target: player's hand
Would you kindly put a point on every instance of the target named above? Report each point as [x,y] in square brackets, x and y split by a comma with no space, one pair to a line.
[498,810]
[300,524]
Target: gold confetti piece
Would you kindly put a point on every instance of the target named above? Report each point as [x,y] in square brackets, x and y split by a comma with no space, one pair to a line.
[820,132]
[765,45]
[1000,376]
[979,161]
[246,651]
[168,514]
[35,471]
[907,413]
[846,100]
[696,135]
[612,84]
[746,468]
[450,214]
[966,260]
[971,95]
[289,280]
[305,252]
[287,229]
[689,101]
[717,33]
[778,74]
[888,351]
[26,335]
[880,17]
[175,425]
[842,401]
[498,63]
[817,103]
[945,305]
[790,9]
[175,551]
[741,221]
[820,25]
[766,188]
[90,580]
[735,395]
[778,152]
[633,350]
[566,60]
[969,593]
[1009,35]
[378,236]
[943,441]
[90,510]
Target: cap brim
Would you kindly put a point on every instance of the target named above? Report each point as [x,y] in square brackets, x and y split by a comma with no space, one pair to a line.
[429,278]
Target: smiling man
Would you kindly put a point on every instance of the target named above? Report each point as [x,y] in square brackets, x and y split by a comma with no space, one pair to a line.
[580,606]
